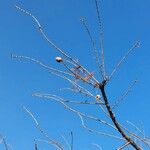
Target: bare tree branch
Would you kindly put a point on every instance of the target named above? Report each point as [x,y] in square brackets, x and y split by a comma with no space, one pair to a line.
[50,42]
[51,69]
[115,121]
[72,140]
[96,145]
[75,71]
[66,141]
[96,52]
[137,128]
[35,146]
[53,142]
[136,45]
[78,112]
[124,95]
[4,142]
[146,141]
[101,40]
[123,146]
[97,132]
[49,96]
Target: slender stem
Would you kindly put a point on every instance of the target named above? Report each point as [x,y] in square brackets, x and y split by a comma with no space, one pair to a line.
[123,146]
[35,146]
[114,120]
[71,140]
[101,38]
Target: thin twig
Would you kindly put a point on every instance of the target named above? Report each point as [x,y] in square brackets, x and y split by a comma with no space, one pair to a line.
[43,33]
[4,142]
[57,72]
[136,45]
[96,52]
[137,128]
[97,132]
[96,145]
[72,140]
[80,88]
[78,112]
[101,40]
[66,141]
[35,146]
[40,63]
[45,141]
[146,141]
[117,102]
[80,77]
[54,143]
[50,42]
[123,146]
[49,96]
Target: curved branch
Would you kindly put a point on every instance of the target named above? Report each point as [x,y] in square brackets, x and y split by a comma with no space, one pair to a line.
[114,120]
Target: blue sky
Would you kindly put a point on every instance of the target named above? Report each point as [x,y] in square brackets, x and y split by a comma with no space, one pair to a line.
[124,23]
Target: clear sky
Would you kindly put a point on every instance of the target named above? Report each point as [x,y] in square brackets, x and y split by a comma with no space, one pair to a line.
[124,23]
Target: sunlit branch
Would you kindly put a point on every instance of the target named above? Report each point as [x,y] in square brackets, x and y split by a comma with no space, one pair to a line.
[79,88]
[101,40]
[137,128]
[66,142]
[75,90]
[52,70]
[53,142]
[97,132]
[136,45]
[144,140]
[44,141]
[49,96]
[117,102]
[87,77]
[96,53]
[96,145]
[43,33]
[50,42]
[40,63]
[123,146]
[78,112]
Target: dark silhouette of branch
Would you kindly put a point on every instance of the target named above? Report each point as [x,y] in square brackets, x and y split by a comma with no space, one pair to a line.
[71,133]
[35,146]
[114,120]
[144,139]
